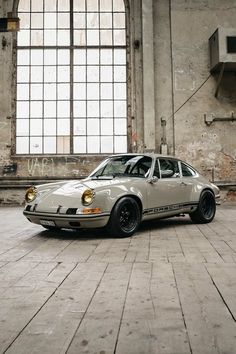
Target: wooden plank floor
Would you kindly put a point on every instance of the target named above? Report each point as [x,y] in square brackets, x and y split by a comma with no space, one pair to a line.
[170,289]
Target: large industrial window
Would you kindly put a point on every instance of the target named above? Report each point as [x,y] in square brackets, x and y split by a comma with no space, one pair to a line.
[71,77]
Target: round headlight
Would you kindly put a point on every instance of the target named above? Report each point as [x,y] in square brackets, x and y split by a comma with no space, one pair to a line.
[87,197]
[30,194]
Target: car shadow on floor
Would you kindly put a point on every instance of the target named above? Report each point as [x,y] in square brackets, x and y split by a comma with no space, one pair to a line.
[100,234]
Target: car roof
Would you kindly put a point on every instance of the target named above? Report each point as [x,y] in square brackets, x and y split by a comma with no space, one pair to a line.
[149,154]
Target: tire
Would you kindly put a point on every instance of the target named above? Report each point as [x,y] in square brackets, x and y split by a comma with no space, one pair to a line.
[206,208]
[125,218]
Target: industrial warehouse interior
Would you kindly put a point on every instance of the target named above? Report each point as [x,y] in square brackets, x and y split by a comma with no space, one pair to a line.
[117,176]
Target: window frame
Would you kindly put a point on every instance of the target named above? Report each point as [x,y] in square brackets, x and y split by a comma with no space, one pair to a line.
[128,99]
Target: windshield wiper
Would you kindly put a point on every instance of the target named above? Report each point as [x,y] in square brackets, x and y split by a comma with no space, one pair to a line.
[102,177]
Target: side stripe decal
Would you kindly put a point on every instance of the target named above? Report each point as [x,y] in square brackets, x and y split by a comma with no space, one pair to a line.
[166,208]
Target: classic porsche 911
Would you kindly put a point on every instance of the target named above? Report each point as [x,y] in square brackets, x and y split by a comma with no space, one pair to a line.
[121,192]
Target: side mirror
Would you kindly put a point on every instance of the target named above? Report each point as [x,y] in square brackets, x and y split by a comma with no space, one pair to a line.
[153,179]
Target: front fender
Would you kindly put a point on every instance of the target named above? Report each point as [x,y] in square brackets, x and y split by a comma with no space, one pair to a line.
[109,196]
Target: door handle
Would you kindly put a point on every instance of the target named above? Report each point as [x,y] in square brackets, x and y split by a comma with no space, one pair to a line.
[183,184]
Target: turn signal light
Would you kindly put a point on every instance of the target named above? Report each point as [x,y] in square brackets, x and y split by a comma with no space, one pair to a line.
[92,211]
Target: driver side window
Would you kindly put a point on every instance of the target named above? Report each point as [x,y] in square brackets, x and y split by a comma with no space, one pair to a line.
[169,168]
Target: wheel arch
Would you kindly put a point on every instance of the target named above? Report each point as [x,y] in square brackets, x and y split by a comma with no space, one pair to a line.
[135,197]
[207,189]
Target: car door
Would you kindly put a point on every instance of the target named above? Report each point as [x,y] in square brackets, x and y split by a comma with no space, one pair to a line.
[169,192]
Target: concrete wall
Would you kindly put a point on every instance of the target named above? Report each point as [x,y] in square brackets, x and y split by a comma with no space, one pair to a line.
[170,92]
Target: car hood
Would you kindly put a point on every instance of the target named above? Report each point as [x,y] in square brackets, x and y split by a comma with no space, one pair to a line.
[68,194]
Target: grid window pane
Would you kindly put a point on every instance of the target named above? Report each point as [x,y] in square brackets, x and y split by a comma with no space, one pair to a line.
[23,91]
[50,37]
[37,20]
[64,5]
[106,20]
[92,5]
[50,109]
[106,144]
[24,5]
[92,73]
[24,20]
[93,126]
[63,109]
[79,57]
[63,144]
[50,74]
[22,145]
[71,77]
[80,145]
[50,57]
[92,91]
[36,109]
[36,127]
[37,57]
[118,5]
[23,57]
[63,37]
[22,127]
[63,20]
[106,108]
[80,126]
[107,126]
[37,38]
[106,5]
[36,91]
[36,145]
[120,126]
[120,144]
[80,37]
[106,73]
[50,126]
[50,20]
[106,37]
[63,74]
[79,20]
[37,6]
[23,37]
[119,20]
[92,20]
[63,57]
[63,127]
[92,109]
[80,109]
[50,6]
[50,145]
[93,144]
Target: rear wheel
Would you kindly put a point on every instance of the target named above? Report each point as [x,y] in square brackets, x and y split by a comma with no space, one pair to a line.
[206,208]
[125,218]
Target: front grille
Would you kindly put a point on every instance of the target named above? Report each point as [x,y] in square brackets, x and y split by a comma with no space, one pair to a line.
[28,208]
[71,211]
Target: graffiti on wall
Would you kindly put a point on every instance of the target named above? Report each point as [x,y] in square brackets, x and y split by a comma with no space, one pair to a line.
[41,166]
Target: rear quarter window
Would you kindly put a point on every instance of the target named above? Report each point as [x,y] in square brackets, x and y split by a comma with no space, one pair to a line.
[187,171]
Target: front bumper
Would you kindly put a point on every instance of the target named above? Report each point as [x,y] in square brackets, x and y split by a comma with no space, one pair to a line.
[68,221]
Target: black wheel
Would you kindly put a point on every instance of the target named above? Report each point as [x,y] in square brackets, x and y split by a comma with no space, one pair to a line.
[125,218]
[206,208]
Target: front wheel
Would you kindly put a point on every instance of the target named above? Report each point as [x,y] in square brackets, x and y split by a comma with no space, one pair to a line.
[125,218]
[206,208]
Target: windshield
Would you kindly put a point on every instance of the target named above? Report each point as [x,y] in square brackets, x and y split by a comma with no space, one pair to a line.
[124,166]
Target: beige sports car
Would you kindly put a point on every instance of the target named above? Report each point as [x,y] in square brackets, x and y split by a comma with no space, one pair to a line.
[121,192]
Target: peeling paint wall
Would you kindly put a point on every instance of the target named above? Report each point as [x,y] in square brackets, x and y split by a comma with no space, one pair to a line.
[211,148]
[183,94]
